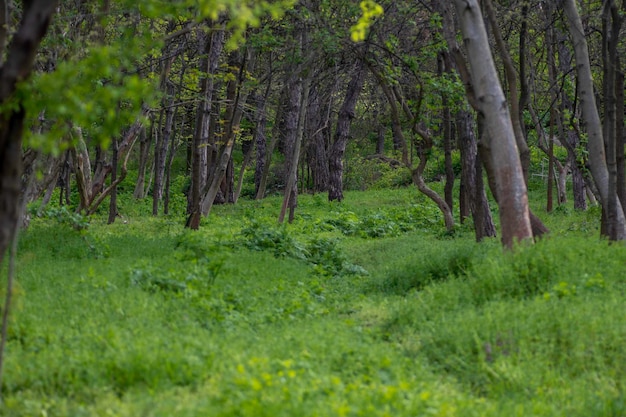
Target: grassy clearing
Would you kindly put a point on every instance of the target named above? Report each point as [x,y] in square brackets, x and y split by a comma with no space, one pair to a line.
[359,308]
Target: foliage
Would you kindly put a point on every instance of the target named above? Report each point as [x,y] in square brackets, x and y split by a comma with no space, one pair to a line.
[389,222]
[199,265]
[363,174]
[322,253]
[99,92]
[64,216]
[174,322]
[370,10]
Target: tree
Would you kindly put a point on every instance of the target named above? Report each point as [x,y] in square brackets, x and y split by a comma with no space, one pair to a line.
[212,45]
[611,206]
[500,138]
[17,67]
[342,133]
[20,57]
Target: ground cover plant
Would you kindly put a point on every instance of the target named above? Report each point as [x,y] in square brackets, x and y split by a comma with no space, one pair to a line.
[360,308]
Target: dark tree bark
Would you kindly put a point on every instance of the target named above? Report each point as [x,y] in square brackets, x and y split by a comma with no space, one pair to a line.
[20,57]
[162,145]
[160,151]
[619,137]
[212,49]
[291,189]
[260,137]
[611,25]
[145,140]
[289,136]
[472,178]
[237,95]
[260,141]
[342,133]
[318,122]
[17,67]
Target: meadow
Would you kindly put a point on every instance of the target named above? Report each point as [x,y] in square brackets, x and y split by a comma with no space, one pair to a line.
[362,308]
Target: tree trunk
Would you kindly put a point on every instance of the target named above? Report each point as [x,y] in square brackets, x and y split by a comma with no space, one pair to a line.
[144,153]
[619,137]
[472,178]
[503,154]
[611,25]
[248,149]
[318,121]
[597,156]
[234,113]
[113,200]
[511,80]
[260,138]
[161,147]
[212,49]
[17,67]
[342,133]
[446,120]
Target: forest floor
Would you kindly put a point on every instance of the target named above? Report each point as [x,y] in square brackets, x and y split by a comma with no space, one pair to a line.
[364,308]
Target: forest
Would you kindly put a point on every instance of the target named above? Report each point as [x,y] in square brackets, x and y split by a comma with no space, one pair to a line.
[312,208]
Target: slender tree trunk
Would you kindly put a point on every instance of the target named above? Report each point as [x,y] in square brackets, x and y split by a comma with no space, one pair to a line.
[619,137]
[291,190]
[260,194]
[289,132]
[342,133]
[611,25]
[446,119]
[234,113]
[568,131]
[504,158]
[550,202]
[248,150]
[472,178]
[113,200]
[318,122]
[20,57]
[597,155]
[160,150]
[213,45]
[260,138]
[144,153]
[511,79]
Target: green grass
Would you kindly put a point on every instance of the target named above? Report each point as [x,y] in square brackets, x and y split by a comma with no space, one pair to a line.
[364,308]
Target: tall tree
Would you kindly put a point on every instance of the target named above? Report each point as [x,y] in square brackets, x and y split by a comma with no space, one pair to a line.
[342,132]
[597,155]
[212,46]
[500,138]
[20,57]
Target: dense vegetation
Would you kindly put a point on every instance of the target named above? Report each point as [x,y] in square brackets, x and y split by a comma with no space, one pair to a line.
[365,307]
[151,151]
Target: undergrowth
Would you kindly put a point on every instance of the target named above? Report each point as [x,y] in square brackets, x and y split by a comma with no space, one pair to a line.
[249,318]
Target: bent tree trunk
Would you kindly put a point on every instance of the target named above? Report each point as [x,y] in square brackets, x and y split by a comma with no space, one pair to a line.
[504,158]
